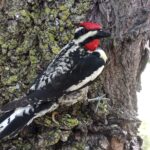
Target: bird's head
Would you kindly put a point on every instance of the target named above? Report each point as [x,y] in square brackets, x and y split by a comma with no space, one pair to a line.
[88,35]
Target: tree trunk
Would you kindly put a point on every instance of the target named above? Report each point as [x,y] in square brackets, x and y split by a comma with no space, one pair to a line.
[33,31]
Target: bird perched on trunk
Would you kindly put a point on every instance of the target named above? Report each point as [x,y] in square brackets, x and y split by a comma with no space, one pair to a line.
[77,64]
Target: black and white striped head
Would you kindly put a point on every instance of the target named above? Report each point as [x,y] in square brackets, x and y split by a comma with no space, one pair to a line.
[88,35]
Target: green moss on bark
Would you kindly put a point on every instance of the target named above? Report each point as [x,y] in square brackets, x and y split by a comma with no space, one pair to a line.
[31,34]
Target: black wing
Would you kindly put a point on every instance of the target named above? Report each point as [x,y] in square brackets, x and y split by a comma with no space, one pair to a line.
[85,71]
[52,82]
[82,71]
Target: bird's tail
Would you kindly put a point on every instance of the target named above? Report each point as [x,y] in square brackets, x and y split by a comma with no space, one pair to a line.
[15,119]
[17,114]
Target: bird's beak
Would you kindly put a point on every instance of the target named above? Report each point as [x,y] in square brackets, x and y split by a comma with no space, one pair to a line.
[103,34]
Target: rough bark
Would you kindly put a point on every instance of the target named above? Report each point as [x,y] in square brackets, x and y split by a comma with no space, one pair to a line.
[33,31]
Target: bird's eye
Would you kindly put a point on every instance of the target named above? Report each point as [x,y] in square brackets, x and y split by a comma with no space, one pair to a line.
[80,32]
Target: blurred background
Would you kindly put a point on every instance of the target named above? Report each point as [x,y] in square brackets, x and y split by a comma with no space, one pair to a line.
[144,107]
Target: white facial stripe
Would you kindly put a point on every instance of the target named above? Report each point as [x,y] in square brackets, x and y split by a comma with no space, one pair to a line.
[78,29]
[86,80]
[85,36]
[102,54]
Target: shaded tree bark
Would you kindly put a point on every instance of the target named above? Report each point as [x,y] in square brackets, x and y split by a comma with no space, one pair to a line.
[33,31]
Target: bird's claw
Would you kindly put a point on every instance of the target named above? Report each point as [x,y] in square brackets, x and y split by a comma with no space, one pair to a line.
[53,117]
[98,99]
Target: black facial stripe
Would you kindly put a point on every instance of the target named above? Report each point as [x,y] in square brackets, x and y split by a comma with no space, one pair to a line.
[96,54]
[80,33]
[89,39]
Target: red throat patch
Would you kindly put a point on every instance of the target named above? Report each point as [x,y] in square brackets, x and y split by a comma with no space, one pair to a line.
[91,46]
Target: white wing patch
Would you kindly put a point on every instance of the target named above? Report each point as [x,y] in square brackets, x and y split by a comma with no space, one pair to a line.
[86,80]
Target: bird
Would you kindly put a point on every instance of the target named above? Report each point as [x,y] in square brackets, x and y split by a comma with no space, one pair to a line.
[77,65]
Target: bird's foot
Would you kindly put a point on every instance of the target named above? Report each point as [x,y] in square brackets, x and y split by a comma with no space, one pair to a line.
[99,99]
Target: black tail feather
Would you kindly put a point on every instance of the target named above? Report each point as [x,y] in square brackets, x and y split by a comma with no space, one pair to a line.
[12,122]
[5,115]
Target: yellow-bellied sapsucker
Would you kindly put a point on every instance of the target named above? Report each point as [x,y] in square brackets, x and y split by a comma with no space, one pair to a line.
[77,64]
